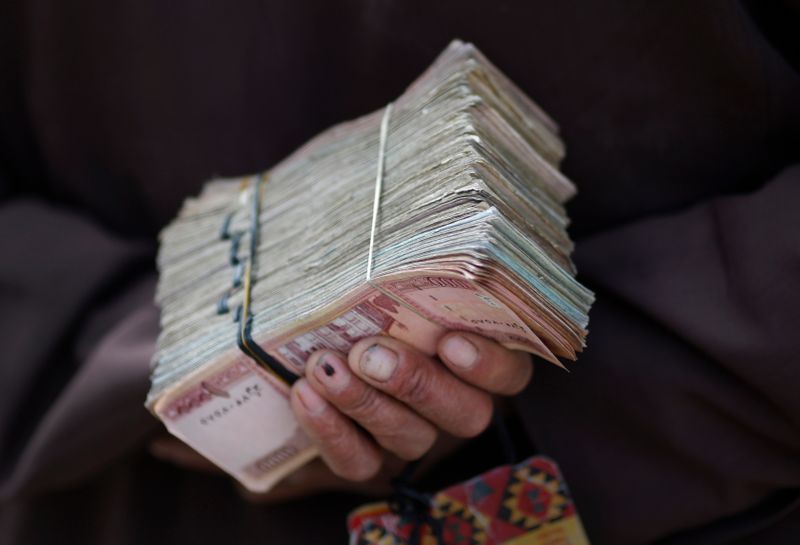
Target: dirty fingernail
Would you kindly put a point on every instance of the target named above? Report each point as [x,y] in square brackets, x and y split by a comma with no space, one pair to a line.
[330,372]
[378,362]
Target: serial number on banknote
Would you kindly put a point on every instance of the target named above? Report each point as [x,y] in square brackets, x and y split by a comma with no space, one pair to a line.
[250,391]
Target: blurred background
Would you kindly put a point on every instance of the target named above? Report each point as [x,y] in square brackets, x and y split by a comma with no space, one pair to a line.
[682,124]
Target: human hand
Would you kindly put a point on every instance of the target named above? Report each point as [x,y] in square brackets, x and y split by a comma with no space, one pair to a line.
[387,396]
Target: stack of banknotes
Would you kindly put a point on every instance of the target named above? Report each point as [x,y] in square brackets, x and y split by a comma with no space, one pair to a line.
[442,211]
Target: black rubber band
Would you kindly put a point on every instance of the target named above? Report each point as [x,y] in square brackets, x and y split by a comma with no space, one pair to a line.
[236,238]
[238,273]
[252,349]
[222,304]
[224,232]
[504,436]
[414,506]
[244,337]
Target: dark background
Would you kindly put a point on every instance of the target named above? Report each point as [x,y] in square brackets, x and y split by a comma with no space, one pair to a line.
[682,123]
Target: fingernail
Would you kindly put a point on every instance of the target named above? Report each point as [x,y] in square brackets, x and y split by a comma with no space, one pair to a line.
[331,373]
[460,352]
[378,362]
[311,400]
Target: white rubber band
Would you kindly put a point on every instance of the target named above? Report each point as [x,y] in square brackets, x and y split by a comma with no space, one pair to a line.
[376,203]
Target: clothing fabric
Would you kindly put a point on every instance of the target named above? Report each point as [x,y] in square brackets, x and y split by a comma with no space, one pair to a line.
[679,424]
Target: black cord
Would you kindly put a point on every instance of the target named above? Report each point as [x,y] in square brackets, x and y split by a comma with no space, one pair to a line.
[414,506]
[504,436]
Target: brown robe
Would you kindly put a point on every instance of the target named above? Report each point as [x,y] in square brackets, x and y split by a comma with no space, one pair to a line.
[680,424]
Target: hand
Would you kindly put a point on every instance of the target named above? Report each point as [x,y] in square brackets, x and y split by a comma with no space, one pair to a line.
[387,396]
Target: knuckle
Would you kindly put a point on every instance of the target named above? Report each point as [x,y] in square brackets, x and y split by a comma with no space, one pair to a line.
[327,432]
[414,386]
[361,402]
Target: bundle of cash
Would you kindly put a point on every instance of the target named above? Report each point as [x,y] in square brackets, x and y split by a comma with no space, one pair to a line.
[443,211]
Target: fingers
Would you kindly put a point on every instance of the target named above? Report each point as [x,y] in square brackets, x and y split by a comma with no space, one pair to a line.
[423,384]
[400,396]
[486,364]
[392,424]
[347,451]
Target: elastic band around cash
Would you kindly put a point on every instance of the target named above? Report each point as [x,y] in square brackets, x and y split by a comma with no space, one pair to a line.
[244,338]
[376,202]
[245,318]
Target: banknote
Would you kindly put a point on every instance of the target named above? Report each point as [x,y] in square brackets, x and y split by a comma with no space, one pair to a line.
[233,397]
[444,210]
